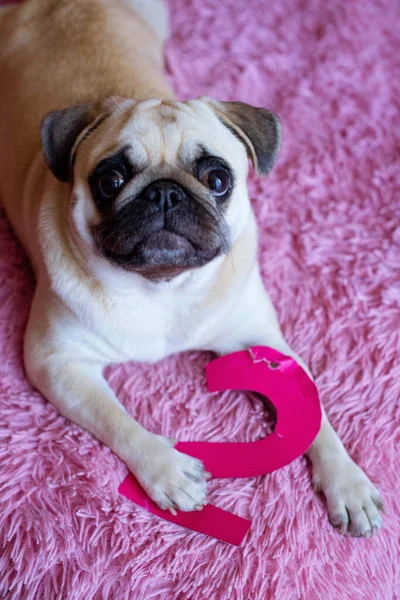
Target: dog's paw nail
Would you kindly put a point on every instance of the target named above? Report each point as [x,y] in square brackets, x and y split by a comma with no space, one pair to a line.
[172,511]
[342,529]
[199,507]
[207,475]
[339,523]
[381,506]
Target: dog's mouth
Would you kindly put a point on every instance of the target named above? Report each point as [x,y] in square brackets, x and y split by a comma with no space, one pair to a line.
[165,241]
[162,254]
[158,246]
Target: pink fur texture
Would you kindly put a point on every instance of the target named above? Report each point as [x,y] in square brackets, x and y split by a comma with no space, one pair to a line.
[329,217]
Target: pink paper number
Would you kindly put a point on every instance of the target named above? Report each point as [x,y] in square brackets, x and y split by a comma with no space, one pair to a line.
[296,401]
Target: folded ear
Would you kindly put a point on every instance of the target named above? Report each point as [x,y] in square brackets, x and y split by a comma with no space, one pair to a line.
[257,128]
[59,132]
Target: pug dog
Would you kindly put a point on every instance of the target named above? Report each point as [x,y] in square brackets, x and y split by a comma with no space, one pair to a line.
[134,211]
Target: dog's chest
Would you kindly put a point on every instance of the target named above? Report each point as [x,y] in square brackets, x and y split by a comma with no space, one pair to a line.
[148,327]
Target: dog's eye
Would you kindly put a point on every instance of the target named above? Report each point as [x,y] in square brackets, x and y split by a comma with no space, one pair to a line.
[218,181]
[109,183]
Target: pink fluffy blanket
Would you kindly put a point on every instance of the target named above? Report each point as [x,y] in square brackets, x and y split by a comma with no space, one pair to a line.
[329,218]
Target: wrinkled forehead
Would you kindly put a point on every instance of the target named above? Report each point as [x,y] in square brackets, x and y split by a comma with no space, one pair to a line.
[159,133]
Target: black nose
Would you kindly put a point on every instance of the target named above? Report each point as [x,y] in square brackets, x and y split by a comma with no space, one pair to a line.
[166,194]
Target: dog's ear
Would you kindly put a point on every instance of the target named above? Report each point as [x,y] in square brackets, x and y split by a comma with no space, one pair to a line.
[257,128]
[59,132]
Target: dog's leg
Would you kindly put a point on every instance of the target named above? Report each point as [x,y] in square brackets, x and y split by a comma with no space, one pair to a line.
[353,501]
[71,379]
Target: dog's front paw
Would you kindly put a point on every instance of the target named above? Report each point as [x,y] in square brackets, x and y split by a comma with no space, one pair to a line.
[353,501]
[175,481]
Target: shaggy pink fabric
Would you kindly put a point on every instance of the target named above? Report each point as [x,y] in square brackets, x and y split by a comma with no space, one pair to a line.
[330,255]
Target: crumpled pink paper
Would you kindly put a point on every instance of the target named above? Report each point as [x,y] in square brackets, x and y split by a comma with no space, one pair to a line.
[295,397]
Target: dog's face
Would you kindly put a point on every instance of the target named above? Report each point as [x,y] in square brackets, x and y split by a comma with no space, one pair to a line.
[158,187]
